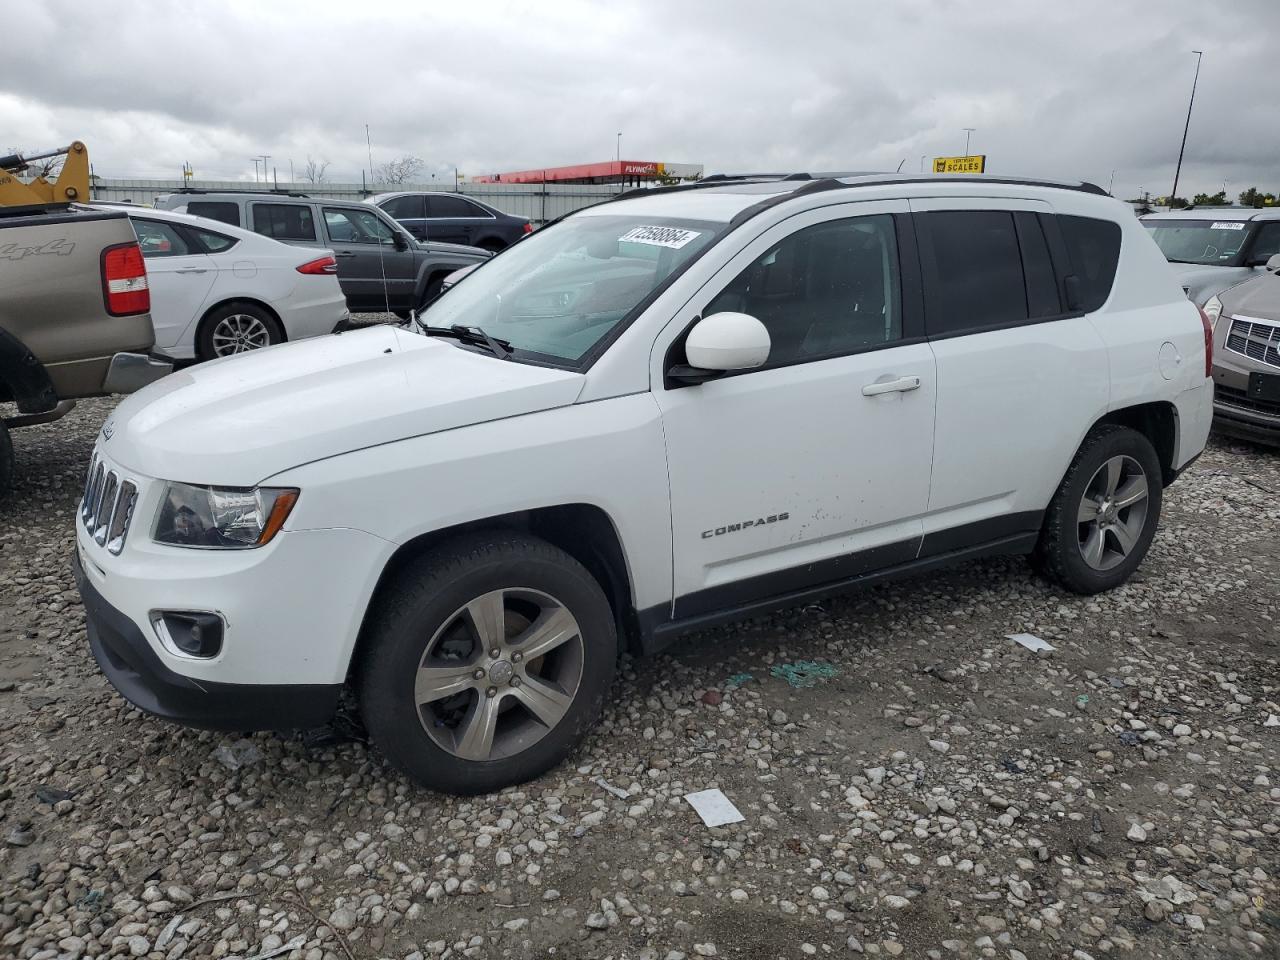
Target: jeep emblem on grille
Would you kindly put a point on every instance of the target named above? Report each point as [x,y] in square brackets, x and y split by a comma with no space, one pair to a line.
[108,428]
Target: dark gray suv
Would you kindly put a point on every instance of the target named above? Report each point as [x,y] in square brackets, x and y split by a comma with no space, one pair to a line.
[380,265]
[453,218]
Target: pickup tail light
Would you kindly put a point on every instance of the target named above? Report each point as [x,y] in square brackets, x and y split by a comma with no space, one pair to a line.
[125,290]
[321,266]
[1208,344]
[528,227]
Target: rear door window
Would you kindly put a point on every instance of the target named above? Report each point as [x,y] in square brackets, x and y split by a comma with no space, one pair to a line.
[973,271]
[405,208]
[223,211]
[1094,248]
[284,221]
[448,208]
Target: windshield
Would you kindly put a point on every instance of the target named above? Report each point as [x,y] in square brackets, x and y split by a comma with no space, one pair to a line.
[1211,242]
[562,290]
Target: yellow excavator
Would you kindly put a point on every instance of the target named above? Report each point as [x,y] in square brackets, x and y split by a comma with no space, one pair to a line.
[71,183]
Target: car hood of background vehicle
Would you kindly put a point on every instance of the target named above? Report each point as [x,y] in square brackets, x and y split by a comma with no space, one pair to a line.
[1201,282]
[242,419]
[454,249]
[1259,297]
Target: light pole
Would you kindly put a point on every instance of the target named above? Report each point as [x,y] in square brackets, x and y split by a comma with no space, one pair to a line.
[256,161]
[967,131]
[1191,103]
[619,156]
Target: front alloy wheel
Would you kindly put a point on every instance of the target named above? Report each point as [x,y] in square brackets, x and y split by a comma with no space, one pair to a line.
[485,661]
[499,674]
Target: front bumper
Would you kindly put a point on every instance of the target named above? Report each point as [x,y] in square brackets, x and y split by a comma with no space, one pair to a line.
[133,668]
[1246,424]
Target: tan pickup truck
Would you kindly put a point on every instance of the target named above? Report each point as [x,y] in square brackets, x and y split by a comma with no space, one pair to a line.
[75,315]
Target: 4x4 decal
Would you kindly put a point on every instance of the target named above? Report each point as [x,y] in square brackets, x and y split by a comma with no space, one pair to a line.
[61,248]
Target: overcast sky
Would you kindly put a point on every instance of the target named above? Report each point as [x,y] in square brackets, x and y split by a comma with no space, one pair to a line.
[1073,90]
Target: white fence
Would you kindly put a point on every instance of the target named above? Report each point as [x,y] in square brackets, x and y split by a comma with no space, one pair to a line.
[536,201]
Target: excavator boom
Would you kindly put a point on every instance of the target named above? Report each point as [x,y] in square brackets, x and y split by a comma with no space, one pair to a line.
[71,183]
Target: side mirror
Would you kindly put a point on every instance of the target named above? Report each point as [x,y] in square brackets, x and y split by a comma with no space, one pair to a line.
[721,343]
[398,240]
[1273,264]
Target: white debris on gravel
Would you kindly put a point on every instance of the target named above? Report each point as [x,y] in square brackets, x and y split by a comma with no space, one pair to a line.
[943,794]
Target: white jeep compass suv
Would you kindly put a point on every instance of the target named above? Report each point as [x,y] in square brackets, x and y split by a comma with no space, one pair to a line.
[659,413]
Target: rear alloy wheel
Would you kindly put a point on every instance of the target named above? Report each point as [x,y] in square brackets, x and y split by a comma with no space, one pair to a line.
[486,662]
[1103,517]
[237,328]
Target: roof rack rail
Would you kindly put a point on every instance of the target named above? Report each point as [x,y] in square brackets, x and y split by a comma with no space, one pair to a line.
[270,192]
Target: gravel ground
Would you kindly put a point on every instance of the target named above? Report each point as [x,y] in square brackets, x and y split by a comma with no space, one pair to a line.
[934,791]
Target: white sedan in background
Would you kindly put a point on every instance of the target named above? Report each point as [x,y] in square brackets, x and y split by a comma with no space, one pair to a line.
[217,290]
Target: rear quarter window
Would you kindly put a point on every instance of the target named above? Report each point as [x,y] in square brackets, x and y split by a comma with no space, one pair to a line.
[1094,248]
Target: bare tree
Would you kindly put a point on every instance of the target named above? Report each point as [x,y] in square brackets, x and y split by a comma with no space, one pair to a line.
[401,170]
[314,172]
[47,168]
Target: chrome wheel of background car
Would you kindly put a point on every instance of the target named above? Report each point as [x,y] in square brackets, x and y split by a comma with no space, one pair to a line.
[1112,512]
[499,674]
[239,333]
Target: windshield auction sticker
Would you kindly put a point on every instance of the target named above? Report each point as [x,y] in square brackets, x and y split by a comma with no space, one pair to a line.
[1228,225]
[673,237]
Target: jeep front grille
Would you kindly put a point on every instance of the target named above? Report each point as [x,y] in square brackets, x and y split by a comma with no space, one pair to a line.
[1257,341]
[107,506]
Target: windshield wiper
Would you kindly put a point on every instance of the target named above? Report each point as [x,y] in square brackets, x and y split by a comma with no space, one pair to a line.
[473,335]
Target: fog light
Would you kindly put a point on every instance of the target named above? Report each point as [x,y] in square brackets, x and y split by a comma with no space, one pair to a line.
[189,634]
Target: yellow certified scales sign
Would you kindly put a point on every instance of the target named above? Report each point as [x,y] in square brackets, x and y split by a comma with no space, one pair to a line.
[975,164]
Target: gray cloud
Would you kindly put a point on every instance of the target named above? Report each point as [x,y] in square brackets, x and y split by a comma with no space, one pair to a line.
[1060,90]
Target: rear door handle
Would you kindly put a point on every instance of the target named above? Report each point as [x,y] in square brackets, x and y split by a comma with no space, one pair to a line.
[193,270]
[343,256]
[901,385]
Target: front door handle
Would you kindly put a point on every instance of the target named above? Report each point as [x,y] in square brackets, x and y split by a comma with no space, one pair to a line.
[901,385]
[193,270]
[343,256]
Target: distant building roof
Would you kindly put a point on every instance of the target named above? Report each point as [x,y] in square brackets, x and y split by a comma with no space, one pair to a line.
[609,171]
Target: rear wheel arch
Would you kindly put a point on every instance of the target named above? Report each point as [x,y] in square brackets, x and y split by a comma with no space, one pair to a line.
[1158,422]
[584,531]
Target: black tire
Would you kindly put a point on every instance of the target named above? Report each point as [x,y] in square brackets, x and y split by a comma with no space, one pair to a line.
[6,460]
[425,601]
[217,323]
[1065,537]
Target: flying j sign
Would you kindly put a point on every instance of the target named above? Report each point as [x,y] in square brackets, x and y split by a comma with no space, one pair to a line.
[975,164]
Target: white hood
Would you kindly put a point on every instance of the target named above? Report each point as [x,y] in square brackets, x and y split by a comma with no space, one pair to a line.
[242,419]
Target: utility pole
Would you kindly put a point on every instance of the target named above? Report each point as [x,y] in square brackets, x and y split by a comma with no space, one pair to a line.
[1111,185]
[1191,103]
[967,132]
[922,156]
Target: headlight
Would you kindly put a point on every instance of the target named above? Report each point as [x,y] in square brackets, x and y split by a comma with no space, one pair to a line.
[224,517]
[1213,310]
